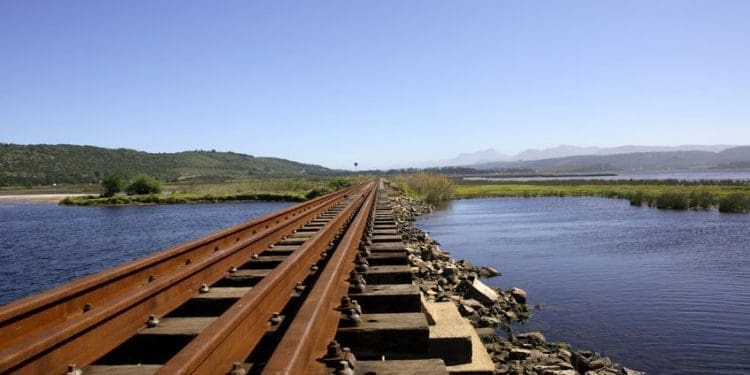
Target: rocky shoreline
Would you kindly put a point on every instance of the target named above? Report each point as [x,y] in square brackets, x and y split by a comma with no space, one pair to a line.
[489,310]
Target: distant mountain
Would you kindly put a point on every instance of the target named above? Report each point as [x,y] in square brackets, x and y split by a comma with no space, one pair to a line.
[47,164]
[555,152]
[484,156]
[487,156]
[736,157]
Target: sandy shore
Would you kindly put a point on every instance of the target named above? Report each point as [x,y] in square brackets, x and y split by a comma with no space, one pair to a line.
[46,198]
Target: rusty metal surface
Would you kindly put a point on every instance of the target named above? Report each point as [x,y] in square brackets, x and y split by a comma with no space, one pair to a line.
[80,321]
[233,336]
[315,324]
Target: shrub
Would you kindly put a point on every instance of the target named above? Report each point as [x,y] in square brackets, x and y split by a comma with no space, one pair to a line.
[112,184]
[736,202]
[340,183]
[701,199]
[430,187]
[676,201]
[144,184]
[636,199]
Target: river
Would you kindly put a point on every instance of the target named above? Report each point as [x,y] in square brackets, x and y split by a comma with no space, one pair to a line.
[45,245]
[659,290]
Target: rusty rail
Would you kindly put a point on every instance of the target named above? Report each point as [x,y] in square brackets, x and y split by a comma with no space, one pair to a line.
[81,321]
[315,323]
[233,336]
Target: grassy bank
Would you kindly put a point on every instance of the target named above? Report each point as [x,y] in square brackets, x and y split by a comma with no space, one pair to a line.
[293,190]
[727,197]
[429,187]
[93,200]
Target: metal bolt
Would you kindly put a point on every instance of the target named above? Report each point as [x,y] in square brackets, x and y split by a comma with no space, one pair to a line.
[346,303]
[275,319]
[232,269]
[356,306]
[204,289]
[343,368]
[361,264]
[323,254]
[333,350]
[255,256]
[152,321]
[357,282]
[314,268]
[73,370]
[237,369]
[300,287]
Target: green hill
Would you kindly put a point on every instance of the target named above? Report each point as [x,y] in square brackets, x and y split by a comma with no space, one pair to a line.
[68,164]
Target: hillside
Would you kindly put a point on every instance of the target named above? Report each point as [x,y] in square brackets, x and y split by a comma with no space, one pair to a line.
[46,164]
[736,157]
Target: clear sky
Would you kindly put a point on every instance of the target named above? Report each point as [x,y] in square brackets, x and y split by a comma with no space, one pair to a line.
[383,83]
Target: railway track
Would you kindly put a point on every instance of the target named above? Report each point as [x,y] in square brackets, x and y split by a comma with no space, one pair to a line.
[321,287]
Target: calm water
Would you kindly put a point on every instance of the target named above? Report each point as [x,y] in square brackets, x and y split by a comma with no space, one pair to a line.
[664,291]
[45,245]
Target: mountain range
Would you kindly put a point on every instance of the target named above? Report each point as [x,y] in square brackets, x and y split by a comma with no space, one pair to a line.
[47,164]
[491,155]
[731,158]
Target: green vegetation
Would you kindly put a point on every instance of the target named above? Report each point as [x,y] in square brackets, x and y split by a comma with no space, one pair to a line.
[727,196]
[429,187]
[179,198]
[112,184]
[735,202]
[34,165]
[294,190]
[144,184]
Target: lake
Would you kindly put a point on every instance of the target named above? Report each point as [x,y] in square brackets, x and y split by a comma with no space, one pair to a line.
[45,245]
[658,290]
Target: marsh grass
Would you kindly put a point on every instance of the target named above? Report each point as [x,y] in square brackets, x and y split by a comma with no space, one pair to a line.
[430,187]
[294,190]
[732,196]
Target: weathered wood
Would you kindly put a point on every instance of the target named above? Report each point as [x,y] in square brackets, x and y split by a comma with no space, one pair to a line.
[291,241]
[388,275]
[385,232]
[394,336]
[138,369]
[217,293]
[431,366]
[244,277]
[213,303]
[388,258]
[179,326]
[393,298]
[388,246]
[266,261]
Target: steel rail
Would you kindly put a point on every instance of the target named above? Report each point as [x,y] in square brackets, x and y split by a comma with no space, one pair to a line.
[233,336]
[36,312]
[315,323]
[84,337]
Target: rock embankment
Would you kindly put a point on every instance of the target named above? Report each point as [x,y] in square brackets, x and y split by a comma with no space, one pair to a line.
[489,310]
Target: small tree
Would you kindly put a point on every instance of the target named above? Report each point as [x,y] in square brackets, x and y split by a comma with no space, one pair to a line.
[112,184]
[144,184]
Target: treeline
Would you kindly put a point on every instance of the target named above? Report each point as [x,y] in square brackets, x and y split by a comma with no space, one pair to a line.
[33,165]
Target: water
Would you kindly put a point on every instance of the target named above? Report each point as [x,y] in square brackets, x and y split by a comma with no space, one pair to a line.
[45,245]
[659,290]
[735,175]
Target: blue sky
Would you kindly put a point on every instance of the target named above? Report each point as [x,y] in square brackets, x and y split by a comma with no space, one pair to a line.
[383,83]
